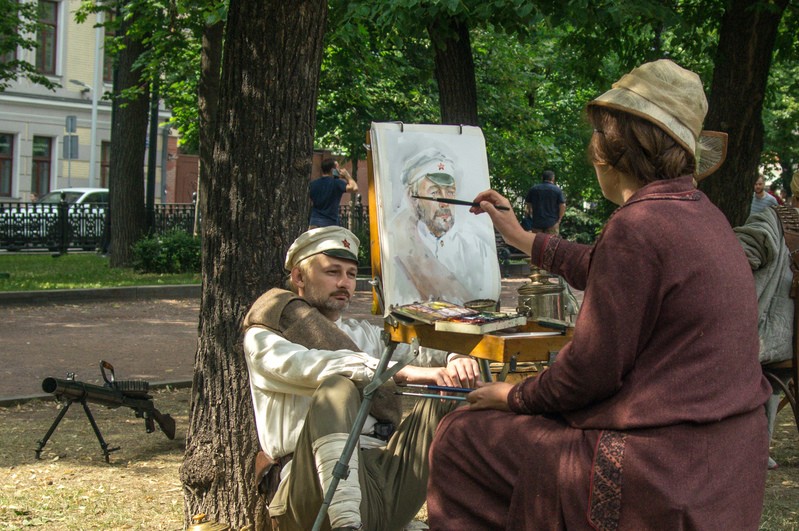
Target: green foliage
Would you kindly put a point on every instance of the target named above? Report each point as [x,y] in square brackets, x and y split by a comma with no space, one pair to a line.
[175,251]
[365,248]
[40,271]
[781,106]
[172,33]
[368,76]
[583,226]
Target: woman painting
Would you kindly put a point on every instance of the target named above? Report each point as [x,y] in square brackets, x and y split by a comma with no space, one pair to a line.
[652,416]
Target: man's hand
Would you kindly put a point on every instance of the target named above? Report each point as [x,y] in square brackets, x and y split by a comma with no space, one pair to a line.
[463,370]
[490,396]
[412,374]
[460,372]
[352,184]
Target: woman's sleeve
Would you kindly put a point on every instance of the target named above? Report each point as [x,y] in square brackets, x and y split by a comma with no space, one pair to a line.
[622,299]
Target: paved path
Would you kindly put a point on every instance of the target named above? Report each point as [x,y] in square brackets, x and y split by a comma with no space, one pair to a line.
[142,335]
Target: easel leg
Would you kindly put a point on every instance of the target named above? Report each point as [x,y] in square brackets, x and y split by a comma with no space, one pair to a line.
[341,469]
[485,369]
[58,418]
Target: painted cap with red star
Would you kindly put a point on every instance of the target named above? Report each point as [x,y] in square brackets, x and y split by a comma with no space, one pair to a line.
[430,163]
[332,241]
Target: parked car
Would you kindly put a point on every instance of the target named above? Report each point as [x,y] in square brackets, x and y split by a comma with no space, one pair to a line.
[37,224]
[76,196]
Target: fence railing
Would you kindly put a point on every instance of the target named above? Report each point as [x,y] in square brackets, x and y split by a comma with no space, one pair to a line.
[53,225]
[355,218]
[58,226]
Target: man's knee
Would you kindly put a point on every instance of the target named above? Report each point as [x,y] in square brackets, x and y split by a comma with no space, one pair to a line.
[334,406]
[336,388]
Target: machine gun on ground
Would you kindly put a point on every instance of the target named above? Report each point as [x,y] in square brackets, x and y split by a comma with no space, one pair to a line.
[127,393]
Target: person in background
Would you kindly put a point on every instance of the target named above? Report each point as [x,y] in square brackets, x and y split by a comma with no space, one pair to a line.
[308,366]
[545,205]
[761,200]
[763,240]
[651,417]
[775,192]
[326,191]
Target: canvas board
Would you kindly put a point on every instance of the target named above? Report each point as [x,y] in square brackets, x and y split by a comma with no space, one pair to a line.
[429,250]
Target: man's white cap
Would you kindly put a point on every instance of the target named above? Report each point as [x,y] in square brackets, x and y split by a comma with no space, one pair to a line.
[430,163]
[332,241]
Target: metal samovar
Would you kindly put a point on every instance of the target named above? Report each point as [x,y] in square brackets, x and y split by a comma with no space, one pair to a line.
[542,297]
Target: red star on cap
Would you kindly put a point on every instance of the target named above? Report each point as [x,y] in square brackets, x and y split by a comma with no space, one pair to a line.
[440,165]
[346,243]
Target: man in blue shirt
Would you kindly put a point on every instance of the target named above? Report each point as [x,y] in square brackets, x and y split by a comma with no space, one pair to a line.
[326,192]
[760,199]
[545,204]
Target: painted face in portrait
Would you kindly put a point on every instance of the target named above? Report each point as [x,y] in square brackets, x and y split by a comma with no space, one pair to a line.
[436,216]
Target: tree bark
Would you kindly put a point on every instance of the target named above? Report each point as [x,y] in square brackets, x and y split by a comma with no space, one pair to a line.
[127,214]
[254,203]
[208,93]
[743,59]
[457,88]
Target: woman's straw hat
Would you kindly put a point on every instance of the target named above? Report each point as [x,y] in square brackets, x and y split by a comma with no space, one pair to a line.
[672,98]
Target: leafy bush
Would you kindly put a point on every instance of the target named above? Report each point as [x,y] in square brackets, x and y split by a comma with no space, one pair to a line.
[580,226]
[365,248]
[175,251]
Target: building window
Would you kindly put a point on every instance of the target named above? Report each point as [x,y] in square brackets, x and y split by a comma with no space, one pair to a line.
[46,38]
[6,163]
[42,162]
[105,163]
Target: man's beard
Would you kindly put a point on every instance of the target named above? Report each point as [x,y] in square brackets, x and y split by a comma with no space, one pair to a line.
[438,224]
[326,303]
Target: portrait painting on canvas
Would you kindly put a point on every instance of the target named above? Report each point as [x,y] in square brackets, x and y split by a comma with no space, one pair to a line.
[428,249]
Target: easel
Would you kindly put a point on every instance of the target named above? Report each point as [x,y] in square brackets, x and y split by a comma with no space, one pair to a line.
[486,348]
[382,374]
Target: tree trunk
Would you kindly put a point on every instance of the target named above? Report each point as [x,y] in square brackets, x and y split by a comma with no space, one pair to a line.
[126,169]
[457,88]
[255,204]
[743,59]
[208,94]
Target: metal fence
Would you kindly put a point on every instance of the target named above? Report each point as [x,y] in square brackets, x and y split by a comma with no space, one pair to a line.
[67,226]
[81,226]
[355,217]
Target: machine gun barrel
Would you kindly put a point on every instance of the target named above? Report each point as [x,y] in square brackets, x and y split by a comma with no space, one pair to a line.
[79,390]
[112,398]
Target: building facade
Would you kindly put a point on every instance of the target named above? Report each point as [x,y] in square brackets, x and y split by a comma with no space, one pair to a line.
[62,138]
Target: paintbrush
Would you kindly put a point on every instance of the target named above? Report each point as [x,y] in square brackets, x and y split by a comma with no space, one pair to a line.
[456,201]
[426,395]
[438,388]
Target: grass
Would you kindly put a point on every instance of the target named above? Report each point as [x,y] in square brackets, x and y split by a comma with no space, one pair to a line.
[41,271]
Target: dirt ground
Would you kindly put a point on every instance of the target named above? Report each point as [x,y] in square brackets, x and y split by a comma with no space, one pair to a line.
[72,487]
[153,340]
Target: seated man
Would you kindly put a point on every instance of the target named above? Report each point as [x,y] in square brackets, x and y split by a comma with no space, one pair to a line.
[307,366]
[763,241]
